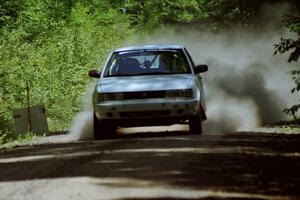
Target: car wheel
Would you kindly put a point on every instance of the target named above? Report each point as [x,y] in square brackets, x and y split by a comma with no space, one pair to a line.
[102,129]
[195,124]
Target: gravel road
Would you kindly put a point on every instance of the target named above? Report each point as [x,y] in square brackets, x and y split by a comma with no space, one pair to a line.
[175,165]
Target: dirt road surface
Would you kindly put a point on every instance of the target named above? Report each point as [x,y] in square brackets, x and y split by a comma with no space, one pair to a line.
[156,166]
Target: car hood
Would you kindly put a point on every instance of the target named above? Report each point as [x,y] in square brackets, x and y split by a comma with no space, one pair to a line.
[144,83]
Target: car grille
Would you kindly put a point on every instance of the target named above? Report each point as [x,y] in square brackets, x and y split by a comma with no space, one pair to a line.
[145,114]
[144,95]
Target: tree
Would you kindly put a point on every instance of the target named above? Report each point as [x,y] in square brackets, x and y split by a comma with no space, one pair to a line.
[293,45]
[52,44]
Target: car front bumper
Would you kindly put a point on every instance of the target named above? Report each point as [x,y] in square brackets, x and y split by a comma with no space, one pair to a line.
[146,109]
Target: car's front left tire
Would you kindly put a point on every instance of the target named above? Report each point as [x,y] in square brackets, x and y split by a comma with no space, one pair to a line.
[103,129]
[195,124]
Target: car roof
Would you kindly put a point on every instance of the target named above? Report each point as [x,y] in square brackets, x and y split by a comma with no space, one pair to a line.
[150,47]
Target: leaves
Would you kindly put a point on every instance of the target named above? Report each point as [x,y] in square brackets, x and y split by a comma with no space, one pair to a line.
[54,52]
[292,46]
[292,110]
[286,45]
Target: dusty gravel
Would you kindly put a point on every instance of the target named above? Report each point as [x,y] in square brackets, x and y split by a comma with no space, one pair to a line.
[166,165]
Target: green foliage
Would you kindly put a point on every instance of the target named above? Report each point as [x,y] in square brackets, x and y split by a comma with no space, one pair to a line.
[213,13]
[285,45]
[53,51]
[11,141]
[5,136]
[293,46]
[9,11]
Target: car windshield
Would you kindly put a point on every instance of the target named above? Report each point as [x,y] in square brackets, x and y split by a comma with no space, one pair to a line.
[147,62]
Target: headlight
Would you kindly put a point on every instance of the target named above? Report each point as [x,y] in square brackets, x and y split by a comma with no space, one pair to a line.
[109,96]
[187,93]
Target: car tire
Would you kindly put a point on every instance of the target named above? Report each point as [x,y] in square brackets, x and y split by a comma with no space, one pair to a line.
[195,124]
[103,130]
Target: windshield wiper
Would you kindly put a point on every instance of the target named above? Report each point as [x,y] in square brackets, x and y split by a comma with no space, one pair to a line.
[146,73]
[117,75]
[156,73]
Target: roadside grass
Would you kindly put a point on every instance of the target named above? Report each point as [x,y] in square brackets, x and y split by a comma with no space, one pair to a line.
[11,142]
[294,123]
[291,126]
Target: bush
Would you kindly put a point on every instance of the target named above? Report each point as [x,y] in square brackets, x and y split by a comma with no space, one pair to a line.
[54,54]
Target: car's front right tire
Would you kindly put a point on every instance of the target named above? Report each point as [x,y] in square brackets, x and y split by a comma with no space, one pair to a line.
[102,129]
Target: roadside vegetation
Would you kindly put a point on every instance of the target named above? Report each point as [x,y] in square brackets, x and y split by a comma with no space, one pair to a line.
[293,47]
[53,43]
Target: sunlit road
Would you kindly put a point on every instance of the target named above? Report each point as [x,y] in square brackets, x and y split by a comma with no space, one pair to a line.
[159,166]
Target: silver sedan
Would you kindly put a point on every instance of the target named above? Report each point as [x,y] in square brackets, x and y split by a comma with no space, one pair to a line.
[146,86]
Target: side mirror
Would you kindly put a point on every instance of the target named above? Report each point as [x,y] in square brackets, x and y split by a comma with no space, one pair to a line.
[200,69]
[94,73]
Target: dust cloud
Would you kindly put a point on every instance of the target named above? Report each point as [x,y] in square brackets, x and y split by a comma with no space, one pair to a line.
[82,125]
[246,85]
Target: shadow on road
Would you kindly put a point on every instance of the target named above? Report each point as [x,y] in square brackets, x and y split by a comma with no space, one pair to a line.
[235,165]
